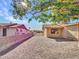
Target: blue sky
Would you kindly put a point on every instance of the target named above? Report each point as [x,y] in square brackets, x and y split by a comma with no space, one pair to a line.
[6,17]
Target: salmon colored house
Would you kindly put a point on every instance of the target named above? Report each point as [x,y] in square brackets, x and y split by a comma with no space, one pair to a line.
[12,29]
[69,31]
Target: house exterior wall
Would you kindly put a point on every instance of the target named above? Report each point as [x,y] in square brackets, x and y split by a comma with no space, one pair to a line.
[11,31]
[1,29]
[21,31]
[58,34]
[68,32]
[71,32]
[45,32]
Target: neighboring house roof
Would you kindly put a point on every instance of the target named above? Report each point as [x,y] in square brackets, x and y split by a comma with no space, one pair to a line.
[52,26]
[7,24]
[59,26]
[75,24]
[13,25]
[19,26]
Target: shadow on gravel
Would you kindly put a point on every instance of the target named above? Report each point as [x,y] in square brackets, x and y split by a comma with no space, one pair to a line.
[63,40]
[5,51]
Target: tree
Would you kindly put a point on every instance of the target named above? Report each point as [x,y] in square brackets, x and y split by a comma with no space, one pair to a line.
[20,7]
[60,10]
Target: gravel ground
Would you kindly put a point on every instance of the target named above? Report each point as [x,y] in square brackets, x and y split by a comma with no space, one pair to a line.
[9,43]
[39,47]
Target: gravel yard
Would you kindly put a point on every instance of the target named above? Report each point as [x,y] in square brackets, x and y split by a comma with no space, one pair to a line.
[39,47]
[9,43]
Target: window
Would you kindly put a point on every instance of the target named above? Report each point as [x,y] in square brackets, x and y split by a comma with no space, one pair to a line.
[4,31]
[53,31]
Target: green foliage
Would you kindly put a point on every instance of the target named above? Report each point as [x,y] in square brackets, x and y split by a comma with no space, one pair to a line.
[43,18]
[18,10]
[60,10]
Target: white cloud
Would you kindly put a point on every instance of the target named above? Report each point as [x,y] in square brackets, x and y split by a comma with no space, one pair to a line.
[1,13]
[4,12]
[11,19]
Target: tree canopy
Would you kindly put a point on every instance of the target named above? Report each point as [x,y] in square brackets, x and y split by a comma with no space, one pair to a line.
[20,8]
[50,10]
